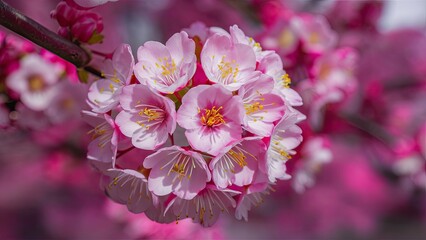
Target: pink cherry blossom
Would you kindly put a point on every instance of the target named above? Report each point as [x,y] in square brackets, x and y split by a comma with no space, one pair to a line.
[105,136]
[147,117]
[130,187]
[237,163]
[212,117]
[270,64]
[262,108]
[252,195]
[206,207]
[227,63]
[178,171]
[315,33]
[238,36]
[167,68]
[104,93]
[33,81]
[285,137]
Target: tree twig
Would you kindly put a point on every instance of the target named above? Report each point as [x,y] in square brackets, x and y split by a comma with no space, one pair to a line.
[33,31]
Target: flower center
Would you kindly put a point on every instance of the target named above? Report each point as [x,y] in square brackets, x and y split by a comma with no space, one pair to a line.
[167,66]
[286,39]
[36,83]
[314,38]
[151,114]
[239,158]
[227,70]
[212,117]
[286,80]
[255,107]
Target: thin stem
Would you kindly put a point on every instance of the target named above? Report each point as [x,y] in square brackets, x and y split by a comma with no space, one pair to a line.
[172,139]
[105,55]
[33,31]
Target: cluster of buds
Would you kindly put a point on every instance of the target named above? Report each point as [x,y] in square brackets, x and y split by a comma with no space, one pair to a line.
[198,126]
[78,25]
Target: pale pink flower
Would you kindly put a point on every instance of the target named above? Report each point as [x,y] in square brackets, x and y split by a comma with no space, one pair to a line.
[334,80]
[262,108]
[285,137]
[33,81]
[205,207]
[314,32]
[130,187]
[227,63]
[237,163]
[271,64]
[106,140]
[315,153]
[252,195]
[178,171]
[212,117]
[282,38]
[238,36]
[167,68]
[104,93]
[147,117]
[198,29]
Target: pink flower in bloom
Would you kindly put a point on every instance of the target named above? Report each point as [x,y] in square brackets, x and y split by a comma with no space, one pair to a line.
[33,81]
[105,137]
[251,195]
[271,65]
[238,36]
[206,207]
[104,93]
[212,117]
[227,63]
[262,108]
[130,187]
[167,68]
[238,163]
[315,33]
[173,169]
[285,137]
[147,117]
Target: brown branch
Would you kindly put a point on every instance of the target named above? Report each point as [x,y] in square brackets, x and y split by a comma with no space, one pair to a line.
[33,31]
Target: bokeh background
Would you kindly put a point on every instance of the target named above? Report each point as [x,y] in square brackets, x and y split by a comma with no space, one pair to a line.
[371,189]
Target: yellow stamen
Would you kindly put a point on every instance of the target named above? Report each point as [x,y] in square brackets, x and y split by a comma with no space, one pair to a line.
[286,80]
[36,83]
[212,117]
[255,107]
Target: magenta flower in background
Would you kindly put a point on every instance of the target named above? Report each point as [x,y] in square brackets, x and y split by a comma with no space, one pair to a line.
[33,81]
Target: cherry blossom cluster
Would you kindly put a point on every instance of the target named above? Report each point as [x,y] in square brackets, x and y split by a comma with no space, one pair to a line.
[201,125]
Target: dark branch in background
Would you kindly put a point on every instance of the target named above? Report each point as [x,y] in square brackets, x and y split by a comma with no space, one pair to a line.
[369,127]
[33,31]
